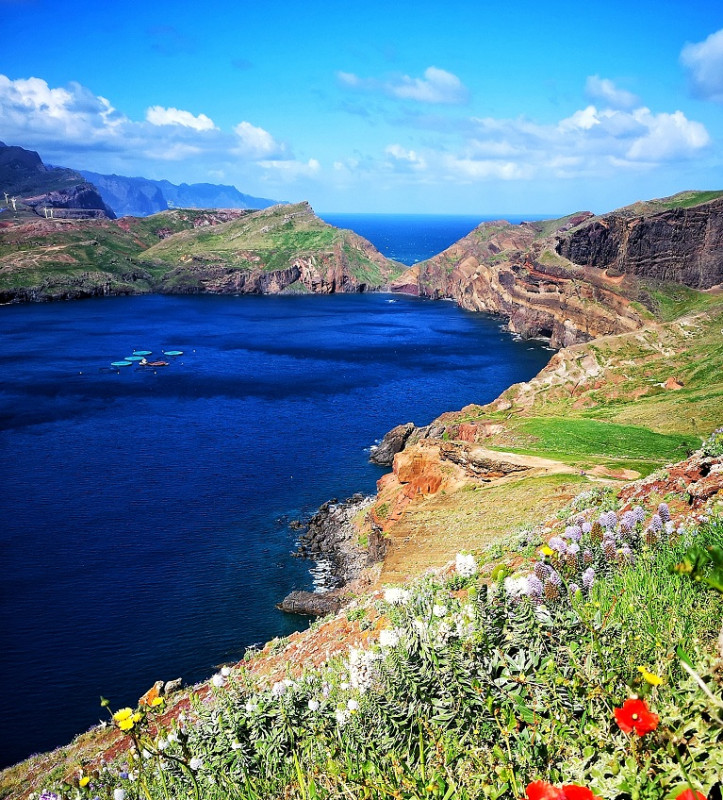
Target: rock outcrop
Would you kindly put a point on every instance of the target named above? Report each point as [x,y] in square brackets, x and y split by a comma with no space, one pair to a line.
[575,279]
[24,175]
[332,536]
[678,244]
[513,271]
[392,443]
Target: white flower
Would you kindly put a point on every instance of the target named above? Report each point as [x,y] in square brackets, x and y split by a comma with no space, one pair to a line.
[218,680]
[195,763]
[361,668]
[225,671]
[388,638]
[396,597]
[352,705]
[465,565]
[251,707]
[439,610]
[314,705]
[343,686]
[172,736]
[516,587]
[342,716]
[119,794]
[279,689]
[146,753]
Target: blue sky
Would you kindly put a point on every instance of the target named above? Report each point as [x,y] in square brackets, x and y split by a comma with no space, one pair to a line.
[419,107]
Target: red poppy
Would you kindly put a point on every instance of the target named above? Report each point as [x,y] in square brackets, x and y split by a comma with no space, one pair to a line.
[636,716]
[541,790]
[689,794]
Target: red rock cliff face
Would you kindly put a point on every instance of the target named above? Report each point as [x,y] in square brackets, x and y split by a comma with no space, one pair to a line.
[512,270]
[682,245]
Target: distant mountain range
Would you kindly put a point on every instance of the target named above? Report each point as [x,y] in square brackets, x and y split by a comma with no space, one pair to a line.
[37,186]
[140,197]
[81,193]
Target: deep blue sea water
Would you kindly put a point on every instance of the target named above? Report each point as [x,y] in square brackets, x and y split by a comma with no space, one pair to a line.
[144,530]
[410,238]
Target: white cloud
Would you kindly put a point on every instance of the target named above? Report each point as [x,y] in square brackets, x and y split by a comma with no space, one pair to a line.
[291,170]
[604,89]
[667,137]
[29,108]
[590,143]
[486,169]
[704,62]
[256,143]
[174,152]
[70,125]
[437,86]
[409,158]
[157,115]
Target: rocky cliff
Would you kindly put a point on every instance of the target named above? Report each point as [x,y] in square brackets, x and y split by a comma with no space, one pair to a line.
[24,176]
[579,277]
[669,240]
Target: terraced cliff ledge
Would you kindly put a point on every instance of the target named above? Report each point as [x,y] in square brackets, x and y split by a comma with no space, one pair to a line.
[579,277]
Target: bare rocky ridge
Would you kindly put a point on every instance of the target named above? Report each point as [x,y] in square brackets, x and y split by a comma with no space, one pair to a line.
[576,278]
[681,245]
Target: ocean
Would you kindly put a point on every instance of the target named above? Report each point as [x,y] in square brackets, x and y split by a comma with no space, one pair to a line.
[146,513]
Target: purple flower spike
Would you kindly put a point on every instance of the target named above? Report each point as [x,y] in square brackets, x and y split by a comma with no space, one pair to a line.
[639,513]
[627,522]
[586,527]
[664,512]
[573,548]
[557,544]
[534,586]
[573,588]
[573,532]
[609,519]
[588,578]
[656,523]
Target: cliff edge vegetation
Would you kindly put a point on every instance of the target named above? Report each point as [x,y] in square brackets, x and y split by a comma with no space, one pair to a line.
[283,248]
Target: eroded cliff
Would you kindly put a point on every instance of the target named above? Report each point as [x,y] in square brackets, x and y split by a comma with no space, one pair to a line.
[579,277]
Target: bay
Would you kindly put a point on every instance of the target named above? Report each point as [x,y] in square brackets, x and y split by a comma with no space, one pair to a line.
[145,512]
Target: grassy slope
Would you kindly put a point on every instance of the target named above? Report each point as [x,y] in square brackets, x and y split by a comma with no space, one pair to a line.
[272,239]
[606,403]
[54,256]
[128,256]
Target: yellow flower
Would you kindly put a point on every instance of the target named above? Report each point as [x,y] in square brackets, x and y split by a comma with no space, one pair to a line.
[137,717]
[126,724]
[84,781]
[157,701]
[546,550]
[123,713]
[649,677]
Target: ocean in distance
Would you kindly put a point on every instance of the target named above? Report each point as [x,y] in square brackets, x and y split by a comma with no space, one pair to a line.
[145,515]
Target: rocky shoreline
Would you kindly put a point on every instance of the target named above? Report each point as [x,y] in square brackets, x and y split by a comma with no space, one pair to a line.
[331,537]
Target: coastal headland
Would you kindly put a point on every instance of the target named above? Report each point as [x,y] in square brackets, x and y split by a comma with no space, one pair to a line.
[633,301]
